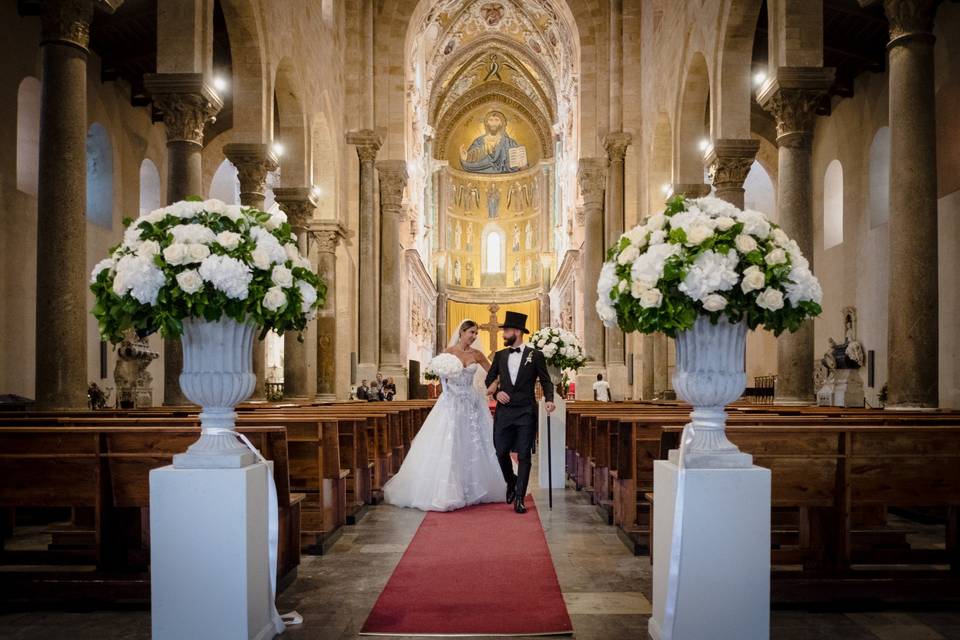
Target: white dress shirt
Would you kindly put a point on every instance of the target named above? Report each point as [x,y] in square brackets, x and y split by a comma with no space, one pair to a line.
[514,360]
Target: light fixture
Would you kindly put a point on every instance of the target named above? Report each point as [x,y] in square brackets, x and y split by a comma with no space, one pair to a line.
[277,149]
[667,188]
[219,83]
[759,78]
[316,192]
[704,143]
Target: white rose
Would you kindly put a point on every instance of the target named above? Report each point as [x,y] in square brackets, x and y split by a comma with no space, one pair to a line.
[698,233]
[106,263]
[190,281]
[309,295]
[657,237]
[777,256]
[714,302]
[214,206]
[637,236]
[154,216]
[227,274]
[607,313]
[745,243]
[754,223]
[656,221]
[779,237]
[260,258]
[651,299]
[277,218]
[770,299]
[131,237]
[233,212]
[198,252]
[281,276]
[274,298]
[725,223]
[293,254]
[175,254]
[148,249]
[228,240]
[628,255]
[753,279]
[638,288]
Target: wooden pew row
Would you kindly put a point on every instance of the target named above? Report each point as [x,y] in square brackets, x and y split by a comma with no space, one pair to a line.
[104,471]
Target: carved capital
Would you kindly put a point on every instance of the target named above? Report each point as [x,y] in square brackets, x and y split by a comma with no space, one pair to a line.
[592,179]
[66,22]
[253,163]
[729,160]
[393,180]
[326,236]
[910,18]
[792,97]
[368,144]
[186,103]
[298,203]
[616,143]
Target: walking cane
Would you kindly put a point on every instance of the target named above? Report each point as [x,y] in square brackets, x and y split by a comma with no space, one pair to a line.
[549,465]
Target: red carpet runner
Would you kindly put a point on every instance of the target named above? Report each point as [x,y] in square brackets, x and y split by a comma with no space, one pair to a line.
[483,570]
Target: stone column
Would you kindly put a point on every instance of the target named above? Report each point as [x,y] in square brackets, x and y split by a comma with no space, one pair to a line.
[393,180]
[689,189]
[646,367]
[661,364]
[326,236]
[791,97]
[442,332]
[913,329]
[616,144]
[728,161]
[61,324]
[253,162]
[299,204]
[187,104]
[368,144]
[592,179]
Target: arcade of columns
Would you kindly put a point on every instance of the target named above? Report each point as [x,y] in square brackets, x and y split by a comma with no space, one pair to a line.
[796,81]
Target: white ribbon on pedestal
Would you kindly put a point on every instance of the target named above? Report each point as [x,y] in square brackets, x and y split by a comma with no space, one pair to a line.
[280,622]
[676,545]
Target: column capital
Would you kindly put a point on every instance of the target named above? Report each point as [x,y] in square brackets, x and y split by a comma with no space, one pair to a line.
[616,143]
[792,96]
[592,179]
[298,203]
[326,235]
[368,143]
[907,18]
[728,161]
[253,162]
[186,102]
[393,180]
[68,21]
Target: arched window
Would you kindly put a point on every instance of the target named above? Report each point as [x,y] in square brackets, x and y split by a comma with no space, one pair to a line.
[99,176]
[758,191]
[327,8]
[225,185]
[880,178]
[28,135]
[833,205]
[493,251]
[149,186]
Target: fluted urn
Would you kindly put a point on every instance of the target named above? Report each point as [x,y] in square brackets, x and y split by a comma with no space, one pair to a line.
[709,375]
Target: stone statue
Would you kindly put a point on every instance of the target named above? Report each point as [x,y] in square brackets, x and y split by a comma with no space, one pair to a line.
[837,375]
[131,376]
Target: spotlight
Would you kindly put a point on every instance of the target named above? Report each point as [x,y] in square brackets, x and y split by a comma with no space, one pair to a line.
[277,149]
[219,83]
[667,189]
[316,192]
[759,78]
[704,144]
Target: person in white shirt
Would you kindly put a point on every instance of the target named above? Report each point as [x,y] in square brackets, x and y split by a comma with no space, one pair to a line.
[601,389]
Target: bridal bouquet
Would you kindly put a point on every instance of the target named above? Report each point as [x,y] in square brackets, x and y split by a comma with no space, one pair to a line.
[560,348]
[444,365]
[205,259]
[706,257]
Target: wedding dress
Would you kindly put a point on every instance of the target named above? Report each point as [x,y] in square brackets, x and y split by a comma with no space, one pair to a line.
[452,463]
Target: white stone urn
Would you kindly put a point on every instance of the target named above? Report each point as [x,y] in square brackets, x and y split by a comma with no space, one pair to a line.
[217,375]
[709,375]
[556,374]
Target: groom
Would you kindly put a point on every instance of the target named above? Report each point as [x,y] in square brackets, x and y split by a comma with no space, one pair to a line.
[517,368]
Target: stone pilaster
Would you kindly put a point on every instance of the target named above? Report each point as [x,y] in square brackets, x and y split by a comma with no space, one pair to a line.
[299,204]
[442,298]
[368,144]
[791,96]
[326,237]
[646,367]
[728,162]
[592,180]
[913,325]
[393,180]
[253,162]
[616,144]
[661,363]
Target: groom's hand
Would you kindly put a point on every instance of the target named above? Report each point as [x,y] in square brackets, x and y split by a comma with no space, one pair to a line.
[551,407]
[503,397]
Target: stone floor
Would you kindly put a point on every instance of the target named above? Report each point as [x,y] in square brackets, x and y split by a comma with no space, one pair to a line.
[607,590]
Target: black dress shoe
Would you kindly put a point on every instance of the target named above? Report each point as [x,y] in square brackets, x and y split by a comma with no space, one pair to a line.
[518,506]
[511,494]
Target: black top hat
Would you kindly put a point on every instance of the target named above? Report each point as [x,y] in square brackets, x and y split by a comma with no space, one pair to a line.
[515,320]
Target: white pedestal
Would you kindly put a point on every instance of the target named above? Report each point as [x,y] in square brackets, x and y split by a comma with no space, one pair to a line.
[209,554]
[558,438]
[724,583]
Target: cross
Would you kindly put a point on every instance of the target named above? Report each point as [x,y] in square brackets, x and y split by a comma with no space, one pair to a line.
[492,327]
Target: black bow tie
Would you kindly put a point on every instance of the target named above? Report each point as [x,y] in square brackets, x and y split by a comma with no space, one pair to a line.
[516,350]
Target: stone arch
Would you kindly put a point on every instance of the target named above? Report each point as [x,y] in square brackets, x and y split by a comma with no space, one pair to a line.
[28,135]
[691,120]
[730,117]
[99,176]
[249,85]
[290,119]
[150,189]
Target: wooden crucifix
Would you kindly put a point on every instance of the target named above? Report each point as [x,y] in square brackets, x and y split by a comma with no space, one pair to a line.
[492,328]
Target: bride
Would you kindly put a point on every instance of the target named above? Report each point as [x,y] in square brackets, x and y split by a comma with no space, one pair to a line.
[452,463]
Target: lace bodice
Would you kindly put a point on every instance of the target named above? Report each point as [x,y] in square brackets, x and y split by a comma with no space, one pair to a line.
[461,383]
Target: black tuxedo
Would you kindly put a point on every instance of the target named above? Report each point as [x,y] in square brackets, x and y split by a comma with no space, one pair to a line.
[515,423]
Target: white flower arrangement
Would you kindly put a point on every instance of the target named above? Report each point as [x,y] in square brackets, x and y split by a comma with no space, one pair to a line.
[444,365]
[706,257]
[205,259]
[560,348]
